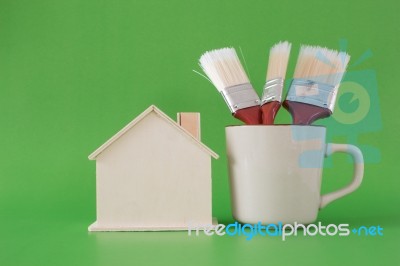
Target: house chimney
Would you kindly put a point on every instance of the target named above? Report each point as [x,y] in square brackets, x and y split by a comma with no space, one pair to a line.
[191,123]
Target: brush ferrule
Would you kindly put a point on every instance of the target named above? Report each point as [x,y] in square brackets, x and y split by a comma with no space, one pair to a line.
[272,91]
[240,96]
[314,93]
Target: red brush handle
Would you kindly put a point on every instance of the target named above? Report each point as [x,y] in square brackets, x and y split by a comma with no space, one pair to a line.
[269,111]
[250,116]
[305,114]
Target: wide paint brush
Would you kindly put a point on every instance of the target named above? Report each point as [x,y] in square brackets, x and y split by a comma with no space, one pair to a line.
[225,71]
[312,93]
[276,72]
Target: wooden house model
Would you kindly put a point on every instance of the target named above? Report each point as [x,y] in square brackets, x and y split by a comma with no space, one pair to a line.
[154,174]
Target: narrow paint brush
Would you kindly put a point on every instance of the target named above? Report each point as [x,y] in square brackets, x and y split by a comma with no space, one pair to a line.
[312,93]
[276,72]
[225,71]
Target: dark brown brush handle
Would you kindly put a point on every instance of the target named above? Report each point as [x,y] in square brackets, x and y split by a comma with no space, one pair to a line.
[250,116]
[305,114]
[269,111]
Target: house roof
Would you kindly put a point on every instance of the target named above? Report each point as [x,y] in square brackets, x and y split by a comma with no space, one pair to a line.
[157,111]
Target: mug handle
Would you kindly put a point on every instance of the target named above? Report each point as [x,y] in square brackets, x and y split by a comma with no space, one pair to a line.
[358,174]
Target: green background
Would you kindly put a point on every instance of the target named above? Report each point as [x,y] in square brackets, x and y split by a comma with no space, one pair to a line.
[72,73]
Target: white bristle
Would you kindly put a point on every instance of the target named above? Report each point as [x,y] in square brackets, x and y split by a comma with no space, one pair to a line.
[321,65]
[278,60]
[223,68]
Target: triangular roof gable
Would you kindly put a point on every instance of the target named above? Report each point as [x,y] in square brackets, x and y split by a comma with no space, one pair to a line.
[154,109]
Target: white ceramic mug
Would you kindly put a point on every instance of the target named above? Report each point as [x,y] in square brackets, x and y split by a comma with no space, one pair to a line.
[275,172]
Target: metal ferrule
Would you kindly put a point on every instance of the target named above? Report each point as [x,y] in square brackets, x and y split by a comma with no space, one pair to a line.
[272,91]
[314,93]
[240,97]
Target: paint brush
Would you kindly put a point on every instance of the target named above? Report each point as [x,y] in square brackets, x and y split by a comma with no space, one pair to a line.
[312,93]
[272,94]
[223,68]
